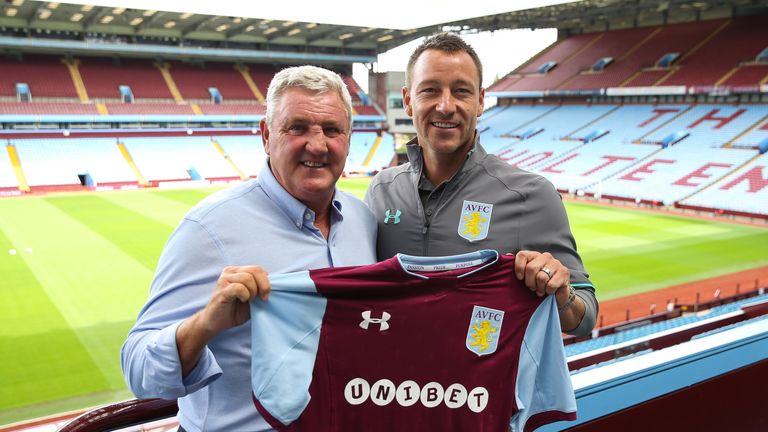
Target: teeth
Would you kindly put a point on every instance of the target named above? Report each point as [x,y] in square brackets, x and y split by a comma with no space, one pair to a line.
[445,125]
[313,164]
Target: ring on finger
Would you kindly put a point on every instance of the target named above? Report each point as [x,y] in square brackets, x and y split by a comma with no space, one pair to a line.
[547,271]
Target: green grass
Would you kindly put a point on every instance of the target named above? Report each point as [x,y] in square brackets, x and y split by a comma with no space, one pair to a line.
[83,264]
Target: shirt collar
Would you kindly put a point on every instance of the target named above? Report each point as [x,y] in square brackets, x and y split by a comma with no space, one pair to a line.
[295,210]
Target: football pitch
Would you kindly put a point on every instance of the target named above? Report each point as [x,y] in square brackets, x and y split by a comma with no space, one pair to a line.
[76,270]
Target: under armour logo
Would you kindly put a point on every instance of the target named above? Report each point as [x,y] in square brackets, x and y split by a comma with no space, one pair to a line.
[382,322]
[395,219]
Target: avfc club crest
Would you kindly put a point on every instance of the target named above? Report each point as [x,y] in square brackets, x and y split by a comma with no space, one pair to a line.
[484,330]
[474,220]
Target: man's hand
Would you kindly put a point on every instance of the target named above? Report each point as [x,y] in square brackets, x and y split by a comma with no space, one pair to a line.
[228,307]
[545,275]
[542,273]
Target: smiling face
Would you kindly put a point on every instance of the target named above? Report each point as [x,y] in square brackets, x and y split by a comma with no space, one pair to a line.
[307,141]
[444,100]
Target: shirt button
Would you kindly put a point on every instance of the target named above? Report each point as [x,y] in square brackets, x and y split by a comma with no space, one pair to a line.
[429,212]
[307,216]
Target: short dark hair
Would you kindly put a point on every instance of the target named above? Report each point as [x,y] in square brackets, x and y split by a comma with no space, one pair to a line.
[446,42]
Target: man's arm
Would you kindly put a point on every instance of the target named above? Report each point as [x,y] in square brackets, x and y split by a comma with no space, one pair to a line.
[154,363]
[547,230]
[228,307]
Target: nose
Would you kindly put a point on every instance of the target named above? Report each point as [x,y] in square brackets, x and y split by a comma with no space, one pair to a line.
[446,105]
[316,141]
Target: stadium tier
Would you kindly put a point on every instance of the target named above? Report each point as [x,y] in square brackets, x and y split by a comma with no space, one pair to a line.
[708,53]
[103,78]
[660,154]
[46,76]
[708,125]
[116,86]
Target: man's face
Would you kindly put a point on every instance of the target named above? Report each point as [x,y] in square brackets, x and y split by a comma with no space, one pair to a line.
[444,100]
[307,143]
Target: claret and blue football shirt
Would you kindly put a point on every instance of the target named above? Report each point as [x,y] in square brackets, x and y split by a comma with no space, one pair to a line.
[410,343]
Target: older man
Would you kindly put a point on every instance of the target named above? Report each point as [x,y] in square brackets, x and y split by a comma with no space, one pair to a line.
[452,197]
[189,341]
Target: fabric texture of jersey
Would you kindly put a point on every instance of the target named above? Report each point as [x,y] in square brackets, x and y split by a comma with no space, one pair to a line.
[410,343]
[254,223]
[488,204]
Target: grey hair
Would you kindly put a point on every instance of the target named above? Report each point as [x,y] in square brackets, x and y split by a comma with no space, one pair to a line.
[312,78]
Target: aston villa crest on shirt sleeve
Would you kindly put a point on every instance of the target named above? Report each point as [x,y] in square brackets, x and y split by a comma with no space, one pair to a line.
[474,220]
[484,330]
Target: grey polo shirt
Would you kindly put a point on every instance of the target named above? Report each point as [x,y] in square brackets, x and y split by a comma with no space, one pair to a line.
[487,204]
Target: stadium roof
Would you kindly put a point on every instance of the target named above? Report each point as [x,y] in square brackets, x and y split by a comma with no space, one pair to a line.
[258,28]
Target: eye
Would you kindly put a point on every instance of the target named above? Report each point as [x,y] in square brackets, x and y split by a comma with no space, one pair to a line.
[331,131]
[296,129]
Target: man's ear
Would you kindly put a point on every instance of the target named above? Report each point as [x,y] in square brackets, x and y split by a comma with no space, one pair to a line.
[407,101]
[264,135]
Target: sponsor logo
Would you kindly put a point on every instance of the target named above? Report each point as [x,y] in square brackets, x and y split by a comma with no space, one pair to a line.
[393,218]
[409,393]
[382,322]
[474,220]
[484,330]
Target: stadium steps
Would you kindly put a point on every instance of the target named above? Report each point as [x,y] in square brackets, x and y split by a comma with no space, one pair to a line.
[165,70]
[128,158]
[372,152]
[16,163]
[727,75]
[730,143]
[74,71]
[102,108]
[653,131]
[224,154]
[717,182]
[607,113]
[251,84]
[576,55]
[692,50]
[196,109]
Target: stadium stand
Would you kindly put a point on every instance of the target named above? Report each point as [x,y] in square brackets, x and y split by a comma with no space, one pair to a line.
[744,191]
[673,174]
[592,163]
[46,76]
[639,67]
[194,80]
[708,125]
[384,154]
[246,151]
[616,46]
[98,158]
[738,40]
[7,173]
[639,335]
[103,77]
[47,108]
[161,159]
[633,58]
[149,108]
[361,144]
[629,123]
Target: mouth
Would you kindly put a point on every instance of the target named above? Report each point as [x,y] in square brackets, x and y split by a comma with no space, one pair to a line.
[311,164]
[444,125]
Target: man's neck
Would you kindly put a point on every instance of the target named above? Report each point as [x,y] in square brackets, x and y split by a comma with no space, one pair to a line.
[439,168]
[323,221]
